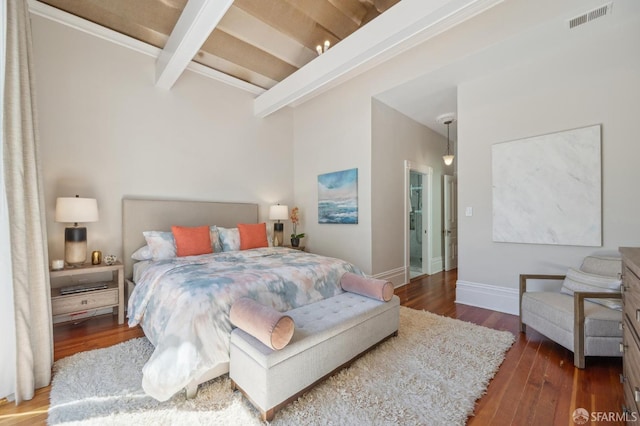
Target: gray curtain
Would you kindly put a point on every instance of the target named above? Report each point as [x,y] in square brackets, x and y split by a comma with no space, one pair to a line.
[25,199]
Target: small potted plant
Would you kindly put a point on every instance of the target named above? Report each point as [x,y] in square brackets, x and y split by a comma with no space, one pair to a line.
[295,237]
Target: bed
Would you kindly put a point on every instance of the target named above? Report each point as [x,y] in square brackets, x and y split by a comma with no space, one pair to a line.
[183,303]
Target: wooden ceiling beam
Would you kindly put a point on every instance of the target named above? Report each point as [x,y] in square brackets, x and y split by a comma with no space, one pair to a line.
[250,29]
[354,9]
[131,18]
[325,14]
[197,21]
[383,5]
[209,61]
[244,54]
[288,20]
[163,18]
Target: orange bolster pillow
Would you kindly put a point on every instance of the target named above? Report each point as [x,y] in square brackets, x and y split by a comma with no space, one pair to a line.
[370,287]
[271,327]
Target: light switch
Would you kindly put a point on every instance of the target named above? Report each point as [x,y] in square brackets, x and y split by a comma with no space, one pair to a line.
[468,211]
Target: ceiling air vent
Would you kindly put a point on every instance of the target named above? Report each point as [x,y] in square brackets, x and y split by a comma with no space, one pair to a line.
[590,15]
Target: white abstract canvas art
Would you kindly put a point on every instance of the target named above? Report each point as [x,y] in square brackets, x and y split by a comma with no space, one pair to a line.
[547,189]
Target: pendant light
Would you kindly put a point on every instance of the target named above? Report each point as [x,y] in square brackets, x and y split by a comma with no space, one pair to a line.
[447,119]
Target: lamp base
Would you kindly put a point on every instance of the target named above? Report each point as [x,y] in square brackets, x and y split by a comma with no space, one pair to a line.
[75,246]
[278,234]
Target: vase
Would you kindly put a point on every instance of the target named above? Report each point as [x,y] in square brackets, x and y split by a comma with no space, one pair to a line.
[295,242]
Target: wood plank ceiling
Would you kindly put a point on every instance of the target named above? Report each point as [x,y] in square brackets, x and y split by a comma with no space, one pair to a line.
[258,41]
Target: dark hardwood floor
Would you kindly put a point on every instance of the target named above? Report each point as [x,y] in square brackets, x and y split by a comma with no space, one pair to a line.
[536,384]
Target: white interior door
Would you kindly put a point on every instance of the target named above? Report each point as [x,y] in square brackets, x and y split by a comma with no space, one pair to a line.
[450,223]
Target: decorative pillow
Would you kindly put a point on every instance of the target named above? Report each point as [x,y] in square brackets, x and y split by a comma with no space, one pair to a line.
[370,287]
[253,235]
[229,238]
[161,244]
[214,233]
[271,327]
[582,281]
[602,265]
[192,241]
[143,253]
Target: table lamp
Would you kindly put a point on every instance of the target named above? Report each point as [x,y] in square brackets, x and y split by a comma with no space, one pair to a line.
[75,210]
[278,213]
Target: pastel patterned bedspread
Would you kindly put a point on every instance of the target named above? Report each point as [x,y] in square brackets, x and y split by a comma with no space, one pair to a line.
[183,305]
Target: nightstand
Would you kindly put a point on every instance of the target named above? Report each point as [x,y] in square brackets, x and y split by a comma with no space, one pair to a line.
[110,297]
[301,248]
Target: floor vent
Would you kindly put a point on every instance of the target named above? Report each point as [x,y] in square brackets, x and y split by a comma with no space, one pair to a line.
[589,16]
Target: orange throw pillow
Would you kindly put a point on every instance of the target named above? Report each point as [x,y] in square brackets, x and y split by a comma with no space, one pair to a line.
[253,235]
[191,241]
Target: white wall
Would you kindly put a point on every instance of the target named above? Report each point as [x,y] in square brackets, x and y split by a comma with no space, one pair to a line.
[595,81]
[108,133]
[333,133]
[397,138]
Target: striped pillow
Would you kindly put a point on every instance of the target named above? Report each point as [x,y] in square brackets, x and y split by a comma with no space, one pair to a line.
[582,281]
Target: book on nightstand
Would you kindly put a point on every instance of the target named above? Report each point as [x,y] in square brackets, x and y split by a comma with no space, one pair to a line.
[81,288]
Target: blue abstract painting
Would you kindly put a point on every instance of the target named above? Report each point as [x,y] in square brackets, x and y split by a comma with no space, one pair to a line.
[338,197]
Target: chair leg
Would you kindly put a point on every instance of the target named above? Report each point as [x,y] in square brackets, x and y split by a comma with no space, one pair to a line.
[578,360]
[578,330]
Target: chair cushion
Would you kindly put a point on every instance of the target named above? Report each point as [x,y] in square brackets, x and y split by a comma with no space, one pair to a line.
[557,308]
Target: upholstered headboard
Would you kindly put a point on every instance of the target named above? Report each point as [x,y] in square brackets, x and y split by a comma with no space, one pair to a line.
[159,215]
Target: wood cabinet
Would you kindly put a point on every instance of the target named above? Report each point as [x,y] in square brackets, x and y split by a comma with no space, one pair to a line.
[110,297]
[631,333]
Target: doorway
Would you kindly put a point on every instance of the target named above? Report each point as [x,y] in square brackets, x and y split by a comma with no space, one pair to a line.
[418,206]
[450,189]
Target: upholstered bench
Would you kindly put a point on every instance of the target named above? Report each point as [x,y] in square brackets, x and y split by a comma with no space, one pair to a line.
[328,335]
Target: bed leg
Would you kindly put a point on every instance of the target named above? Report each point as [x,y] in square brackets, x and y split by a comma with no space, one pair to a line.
[192,390]
[268,415]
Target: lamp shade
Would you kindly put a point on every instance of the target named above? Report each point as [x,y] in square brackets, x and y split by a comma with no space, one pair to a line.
[75,209]
[278,212]
[448,159]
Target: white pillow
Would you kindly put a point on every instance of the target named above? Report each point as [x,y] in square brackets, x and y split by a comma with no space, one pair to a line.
[161,244]
[143,253]
[582,281]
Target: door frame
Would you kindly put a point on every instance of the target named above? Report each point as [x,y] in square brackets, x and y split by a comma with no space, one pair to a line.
[427,243]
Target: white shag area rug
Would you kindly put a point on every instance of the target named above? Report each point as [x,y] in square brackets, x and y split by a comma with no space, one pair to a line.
[430,374]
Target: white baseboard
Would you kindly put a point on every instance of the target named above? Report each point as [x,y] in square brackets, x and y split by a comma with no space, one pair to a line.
[396,276]
[487,296]
[437,265]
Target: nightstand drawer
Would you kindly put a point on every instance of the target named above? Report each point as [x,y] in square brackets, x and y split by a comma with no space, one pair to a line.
[84,301]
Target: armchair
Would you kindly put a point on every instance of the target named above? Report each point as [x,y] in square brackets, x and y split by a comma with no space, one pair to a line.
[584,315]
